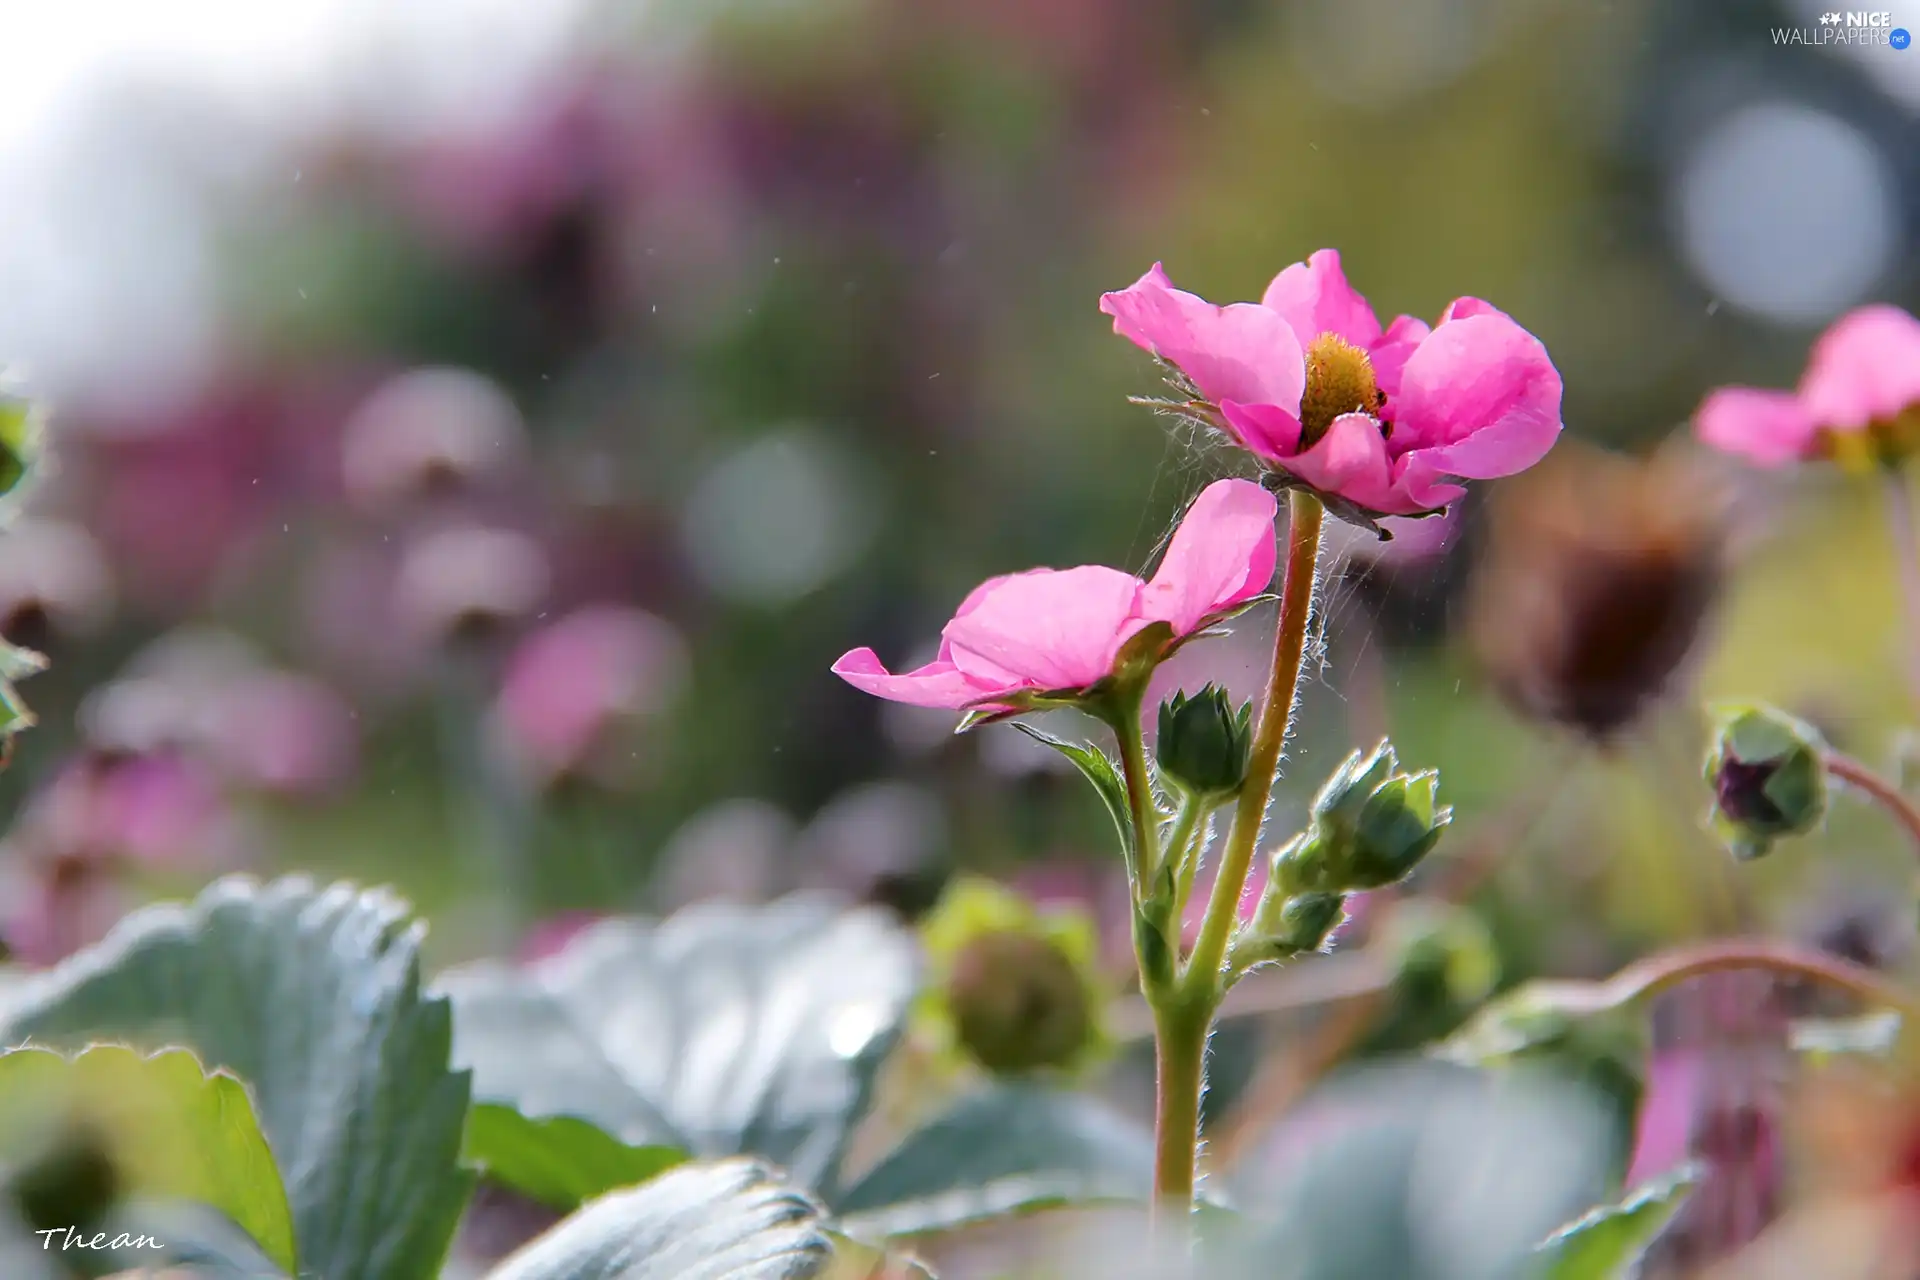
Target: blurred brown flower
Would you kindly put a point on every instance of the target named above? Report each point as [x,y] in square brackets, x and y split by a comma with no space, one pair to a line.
[1599,574]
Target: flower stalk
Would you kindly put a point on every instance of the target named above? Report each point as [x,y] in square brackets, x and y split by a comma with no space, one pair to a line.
[1183,1017]
[1844,768]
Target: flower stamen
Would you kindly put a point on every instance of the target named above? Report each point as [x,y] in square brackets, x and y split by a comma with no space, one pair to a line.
[1339,381]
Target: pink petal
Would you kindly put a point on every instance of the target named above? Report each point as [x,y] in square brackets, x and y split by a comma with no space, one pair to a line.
[1267,431]
[1478,399]
[1389,355]
[1315,298]
[1664,1127]
[1351,462]
[938,684]
[1462,308]
[1053,629]
[1865,367]
[1768,428]
[972,602]
[1238,352]
[1221,554]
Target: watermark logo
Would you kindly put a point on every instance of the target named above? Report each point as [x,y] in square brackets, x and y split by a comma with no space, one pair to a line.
[1849,26]
[71,1238]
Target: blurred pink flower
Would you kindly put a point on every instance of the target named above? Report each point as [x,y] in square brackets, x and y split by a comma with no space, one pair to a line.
[1714,1096]
[553,934]
[208,694]
[281,732]
[468,579]
[1384,420]
[53,911]
[1864,372]
[161,808]
[63,861]
[427,429]
[1061,630]
[53,579]
[569,685]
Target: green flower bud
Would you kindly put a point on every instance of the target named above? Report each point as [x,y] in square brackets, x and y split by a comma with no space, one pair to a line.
[1285,927]
[1442,948]
[1371,827]
[1293,926]
[1204,743]
[1019,1003]
[1013,989]
[1769,779]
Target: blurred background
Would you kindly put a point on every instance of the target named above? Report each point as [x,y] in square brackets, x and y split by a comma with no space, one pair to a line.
[480,425]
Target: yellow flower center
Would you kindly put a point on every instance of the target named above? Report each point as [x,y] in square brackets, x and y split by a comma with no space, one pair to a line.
[1339,381]
[1886,442]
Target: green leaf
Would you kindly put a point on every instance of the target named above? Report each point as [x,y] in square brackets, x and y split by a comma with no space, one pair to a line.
[170,1130]
[1605,1243]
[1101,772]
[312,996]
[725,1221]
[723,1030]
[561,1161]
[191,1236]
[1420,1171]
[1005,1149]
[20,434]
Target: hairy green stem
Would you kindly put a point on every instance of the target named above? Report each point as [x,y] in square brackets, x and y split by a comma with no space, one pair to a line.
[1180,1027]
[1269,740]
[1146,813]
[1183,1017]
[1187,821]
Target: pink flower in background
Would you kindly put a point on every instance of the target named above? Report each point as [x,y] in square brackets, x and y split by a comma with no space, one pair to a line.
[426,430]
[1714,1097]
[1864,373]
[552,935]
[161,808]
[1060,630]
[1382,419]
[281,732]
[208,695]
[568,685]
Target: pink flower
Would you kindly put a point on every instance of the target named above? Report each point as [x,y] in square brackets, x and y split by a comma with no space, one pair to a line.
[571,684]
[1863,375]
[1383,420]
[1059,631]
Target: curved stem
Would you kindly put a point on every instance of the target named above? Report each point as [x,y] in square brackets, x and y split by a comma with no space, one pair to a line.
[1263,763]
[1907,555]
[1657,973]
[1183,1017]
[1883,793]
